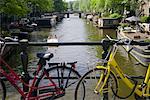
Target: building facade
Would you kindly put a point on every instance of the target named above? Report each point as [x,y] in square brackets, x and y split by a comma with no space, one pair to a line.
[145,7]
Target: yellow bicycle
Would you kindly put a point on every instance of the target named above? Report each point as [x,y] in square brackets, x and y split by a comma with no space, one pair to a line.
[102,82]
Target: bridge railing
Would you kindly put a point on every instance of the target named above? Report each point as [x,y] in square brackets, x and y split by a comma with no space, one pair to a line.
[141,43]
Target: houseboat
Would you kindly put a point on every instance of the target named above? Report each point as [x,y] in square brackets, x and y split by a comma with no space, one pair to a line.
[140,53]
[46,21]
[108,22]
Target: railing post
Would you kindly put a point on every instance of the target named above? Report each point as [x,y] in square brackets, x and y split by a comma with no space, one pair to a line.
[68,16]
[80,15]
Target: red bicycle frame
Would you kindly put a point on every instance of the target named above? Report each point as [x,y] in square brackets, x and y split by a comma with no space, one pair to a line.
[14,78]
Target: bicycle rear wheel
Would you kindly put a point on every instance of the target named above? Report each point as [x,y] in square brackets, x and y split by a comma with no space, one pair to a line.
[90,80]
[65,78]
[2,90]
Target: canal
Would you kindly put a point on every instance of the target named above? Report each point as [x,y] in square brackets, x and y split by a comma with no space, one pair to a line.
[80,30]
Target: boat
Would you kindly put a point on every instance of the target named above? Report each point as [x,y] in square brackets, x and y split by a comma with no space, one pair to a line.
[108,23]
[140,53]
[52,39]
[44,22]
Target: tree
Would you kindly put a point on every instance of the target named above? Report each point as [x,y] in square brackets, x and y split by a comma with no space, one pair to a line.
[76,5]
[42,5]
[22,7]
[14,7]
[100,6]
[59,5]
[84,5]
[65,4]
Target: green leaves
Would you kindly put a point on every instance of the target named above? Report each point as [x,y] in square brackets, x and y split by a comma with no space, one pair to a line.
[76,5]
[59,5]
[42,5]
[23,7]
[107,7]
[14,7]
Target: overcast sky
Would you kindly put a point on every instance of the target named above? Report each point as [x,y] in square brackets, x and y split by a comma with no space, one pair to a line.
[69,0]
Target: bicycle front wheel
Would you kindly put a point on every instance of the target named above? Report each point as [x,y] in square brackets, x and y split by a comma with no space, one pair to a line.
[2,90]
[91,80]
[64,77]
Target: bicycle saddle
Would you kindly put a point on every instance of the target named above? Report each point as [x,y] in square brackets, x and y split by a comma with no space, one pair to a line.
[45,56]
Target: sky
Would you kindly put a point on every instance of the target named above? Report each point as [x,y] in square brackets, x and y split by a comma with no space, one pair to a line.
[69,0]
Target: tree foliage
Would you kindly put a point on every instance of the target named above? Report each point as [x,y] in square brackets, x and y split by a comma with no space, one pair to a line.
[59,5]
[13,7]
[76,5]
[115,15]
[23,7]
[43,5]
[84,5]
[108,6]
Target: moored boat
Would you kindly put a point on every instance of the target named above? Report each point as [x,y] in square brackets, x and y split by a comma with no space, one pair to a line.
[140,53]
[108,23]
[52,39]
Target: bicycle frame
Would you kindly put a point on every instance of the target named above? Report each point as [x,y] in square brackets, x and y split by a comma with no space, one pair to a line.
[112,64]
[13,78]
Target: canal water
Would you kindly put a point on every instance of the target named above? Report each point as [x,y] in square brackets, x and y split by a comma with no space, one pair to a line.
[79,30]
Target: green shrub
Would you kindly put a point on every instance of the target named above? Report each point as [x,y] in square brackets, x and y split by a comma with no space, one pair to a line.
[105,14]
[147,40]
[124,24]
[145,19]
[115,15]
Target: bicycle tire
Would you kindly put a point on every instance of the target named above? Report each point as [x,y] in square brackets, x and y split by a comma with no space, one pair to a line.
[2,90]
[67,86]
[89,79]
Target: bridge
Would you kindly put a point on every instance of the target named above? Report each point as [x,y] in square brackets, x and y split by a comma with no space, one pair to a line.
[72,12]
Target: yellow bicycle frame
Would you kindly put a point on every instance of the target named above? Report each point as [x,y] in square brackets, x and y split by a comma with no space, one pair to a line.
[112,64]
[146,89]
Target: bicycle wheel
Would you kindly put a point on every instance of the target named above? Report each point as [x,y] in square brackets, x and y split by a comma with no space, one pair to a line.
[2,90]
[64,77]
[90,80]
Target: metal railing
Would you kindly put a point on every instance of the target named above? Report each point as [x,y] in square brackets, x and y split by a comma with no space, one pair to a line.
[75,43]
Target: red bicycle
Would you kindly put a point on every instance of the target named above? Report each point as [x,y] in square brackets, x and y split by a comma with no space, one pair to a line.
[48,83]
